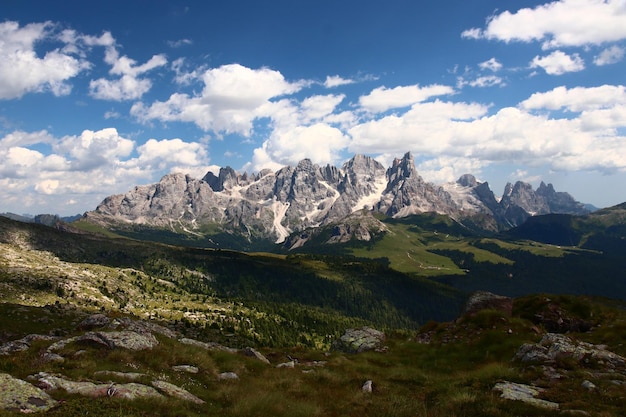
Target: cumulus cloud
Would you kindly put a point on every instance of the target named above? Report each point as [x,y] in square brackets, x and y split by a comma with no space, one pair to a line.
[611,55]
[130,85]
[319,142]
[93,149]
[444,169]
[382,99]
[491,64]
[23,70]
[577,99]
[336,81]
[170,154]
[587,139]
[232,98]
[558,24]
[558,63]
[91,165]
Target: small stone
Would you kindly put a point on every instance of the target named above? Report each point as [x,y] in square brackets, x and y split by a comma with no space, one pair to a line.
[186,368]
[367,386]
[290,364]
[52,357]
[224,376]
[588,385]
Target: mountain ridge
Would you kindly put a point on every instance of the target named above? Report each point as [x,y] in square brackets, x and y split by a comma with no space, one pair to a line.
[271,206]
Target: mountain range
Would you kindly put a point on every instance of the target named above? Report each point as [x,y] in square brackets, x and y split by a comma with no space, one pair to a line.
[237,210]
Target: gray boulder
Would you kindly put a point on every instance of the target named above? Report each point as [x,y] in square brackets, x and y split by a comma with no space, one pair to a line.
[359,340]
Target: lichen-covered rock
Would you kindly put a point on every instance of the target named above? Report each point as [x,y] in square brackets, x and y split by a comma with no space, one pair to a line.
[22,344]
[176,391]
[124,339]
[359,340]
[18,395]
[142,327]
[524,393]
[554,346]
[128,391]
[93,322]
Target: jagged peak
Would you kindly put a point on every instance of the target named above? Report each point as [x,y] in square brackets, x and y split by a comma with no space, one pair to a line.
[467,180]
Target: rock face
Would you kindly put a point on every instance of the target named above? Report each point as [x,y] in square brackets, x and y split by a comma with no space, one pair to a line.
[359,340]
[275,205]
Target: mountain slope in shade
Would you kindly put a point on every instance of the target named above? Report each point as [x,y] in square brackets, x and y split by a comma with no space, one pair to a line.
[271,206]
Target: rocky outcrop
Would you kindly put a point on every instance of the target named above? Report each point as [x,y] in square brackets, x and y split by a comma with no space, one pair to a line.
[360,340]
[125,339]
[172,390]
[555,348]
[525,393]
[129,391]
[484,300]
[18,395]
[22,344]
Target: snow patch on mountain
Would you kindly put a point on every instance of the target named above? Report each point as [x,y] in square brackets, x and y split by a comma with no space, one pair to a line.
[279,210]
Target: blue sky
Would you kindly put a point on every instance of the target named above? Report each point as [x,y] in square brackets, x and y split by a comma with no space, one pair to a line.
[96,97]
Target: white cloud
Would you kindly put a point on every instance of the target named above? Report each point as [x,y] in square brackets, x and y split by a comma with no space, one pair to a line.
[382,99]
[168,154]
[443,169]
[611,55]
[91,149]
[129,86]
[319,142]
[590,139]
[23,71]
[232,98]
[317,107]
[21,138]
[558,63]
[577,99]
[93,165]
[491,65]
[559,24]
[336,81]
[481,82]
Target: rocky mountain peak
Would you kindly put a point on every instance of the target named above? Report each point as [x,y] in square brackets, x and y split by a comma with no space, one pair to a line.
[227,178]
[467,180]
